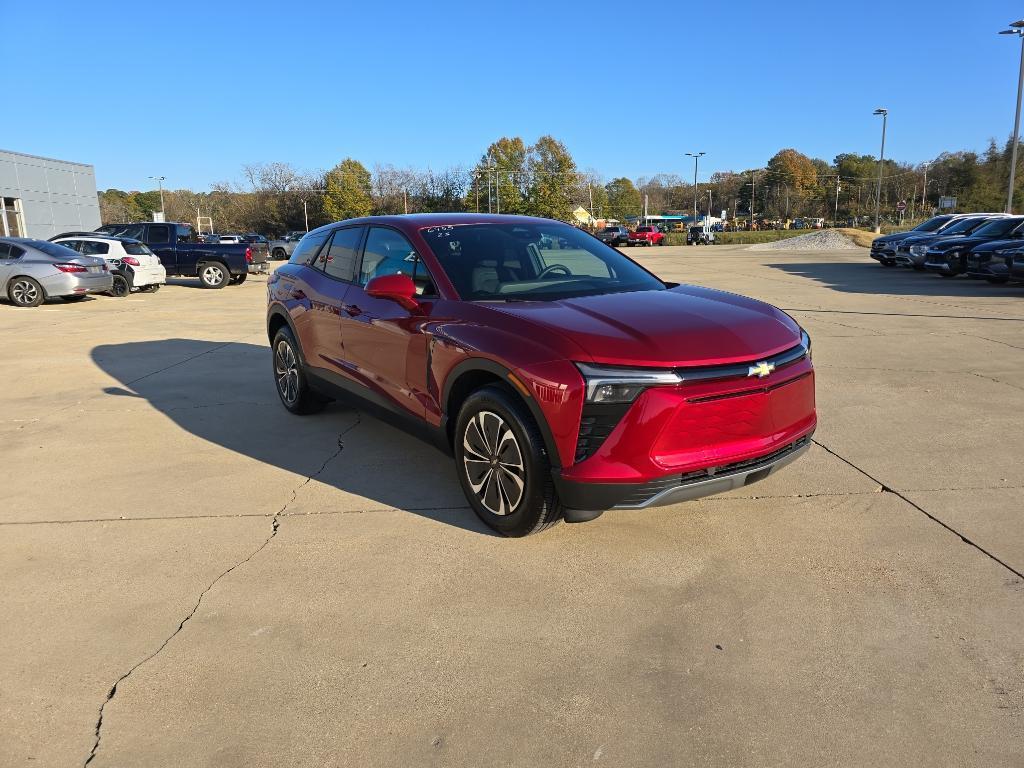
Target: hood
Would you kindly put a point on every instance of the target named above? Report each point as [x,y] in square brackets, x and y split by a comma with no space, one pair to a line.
[682,326]
[961,241]
[895,237]
[989,246]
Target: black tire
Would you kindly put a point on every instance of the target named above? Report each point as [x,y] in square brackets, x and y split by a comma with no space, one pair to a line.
[25,292]
[290,377]
[239,279]
[213,274]
[121,287]
[280,254]
[500,411]
[152,288]
[73,299]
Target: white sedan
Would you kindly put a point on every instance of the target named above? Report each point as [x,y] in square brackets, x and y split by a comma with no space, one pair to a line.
[133,265]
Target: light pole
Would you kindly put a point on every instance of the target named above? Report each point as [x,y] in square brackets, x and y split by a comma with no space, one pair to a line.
[305,214]
[924,190]
[881,161]
[1016,28]
[160,184]
[695,157]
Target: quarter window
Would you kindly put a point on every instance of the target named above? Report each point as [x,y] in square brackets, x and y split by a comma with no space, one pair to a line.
[339,258]
[308,247]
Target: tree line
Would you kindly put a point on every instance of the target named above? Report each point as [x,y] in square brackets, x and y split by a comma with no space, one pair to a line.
[542,179]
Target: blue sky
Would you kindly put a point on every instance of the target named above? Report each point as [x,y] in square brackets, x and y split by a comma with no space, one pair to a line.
[193,91]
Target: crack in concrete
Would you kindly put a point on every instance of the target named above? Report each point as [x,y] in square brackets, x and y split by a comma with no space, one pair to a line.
[905,314]
[275,524]
[887,489]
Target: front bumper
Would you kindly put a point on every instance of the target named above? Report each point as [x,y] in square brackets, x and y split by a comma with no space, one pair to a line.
[675,488]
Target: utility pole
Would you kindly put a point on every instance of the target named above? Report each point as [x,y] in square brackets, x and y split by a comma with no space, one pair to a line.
[405,200]
[752,201]
[924,190]
[305,215]
[835,215]
[881,162]
[913,199]
[709,203]
[590,191]
[695,157]
[1016,28]
[489,184]
[160,184]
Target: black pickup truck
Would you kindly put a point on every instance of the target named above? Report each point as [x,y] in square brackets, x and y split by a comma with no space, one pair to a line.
[183,253]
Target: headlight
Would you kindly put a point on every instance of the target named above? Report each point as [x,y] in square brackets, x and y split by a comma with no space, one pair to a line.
[918,250]
[622,385]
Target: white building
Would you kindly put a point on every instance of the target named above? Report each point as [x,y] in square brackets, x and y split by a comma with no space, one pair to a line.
[41,197]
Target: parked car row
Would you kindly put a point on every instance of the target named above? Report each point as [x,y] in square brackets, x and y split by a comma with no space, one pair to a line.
[34,270]
[618,235]
[989,246]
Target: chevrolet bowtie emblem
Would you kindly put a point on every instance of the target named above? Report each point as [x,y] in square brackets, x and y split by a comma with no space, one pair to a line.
[761,370]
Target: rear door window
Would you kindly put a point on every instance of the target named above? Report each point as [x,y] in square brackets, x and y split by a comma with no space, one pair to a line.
[339,258]
[159,233]
[91,248]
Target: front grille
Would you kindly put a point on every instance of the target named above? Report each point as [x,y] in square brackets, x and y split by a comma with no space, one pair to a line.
[742,370]
[651,488]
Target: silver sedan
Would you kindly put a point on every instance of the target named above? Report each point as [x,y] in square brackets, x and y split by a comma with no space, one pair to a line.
[34,270]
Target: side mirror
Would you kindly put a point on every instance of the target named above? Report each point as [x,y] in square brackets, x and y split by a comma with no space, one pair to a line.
[399,288]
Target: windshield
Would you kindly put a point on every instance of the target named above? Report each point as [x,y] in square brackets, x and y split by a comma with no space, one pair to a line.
[999,227]
[52,249]
[932,225]
[963,226]
[532,262]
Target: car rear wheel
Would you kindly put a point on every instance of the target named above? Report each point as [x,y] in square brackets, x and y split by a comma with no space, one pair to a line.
[290,379]
[25,292]
[213,275]
[121,287]
[502,464]
[279,254]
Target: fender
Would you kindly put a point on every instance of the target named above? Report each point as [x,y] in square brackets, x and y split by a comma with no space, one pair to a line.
[485,364]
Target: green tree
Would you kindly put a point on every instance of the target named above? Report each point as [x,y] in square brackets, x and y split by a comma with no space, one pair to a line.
[553,179]
[623,199]
[347,191]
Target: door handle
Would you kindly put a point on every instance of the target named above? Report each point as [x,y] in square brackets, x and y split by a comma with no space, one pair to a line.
[297,294]
[352,310]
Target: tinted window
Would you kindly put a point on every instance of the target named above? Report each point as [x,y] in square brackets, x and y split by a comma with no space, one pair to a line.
[962,226]
[159,233]
[998,227]
[55,250]
[184,233]
[387,253]
[932,225]
[339,258]
[521,261]
[75,245]
[136,249]
[5,251]
[90,248]
[306,250]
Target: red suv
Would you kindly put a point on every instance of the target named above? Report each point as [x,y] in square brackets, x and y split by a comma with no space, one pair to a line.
[564,377]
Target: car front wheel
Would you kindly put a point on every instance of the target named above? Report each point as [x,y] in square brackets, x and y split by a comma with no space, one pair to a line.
[292,385]
[502,464]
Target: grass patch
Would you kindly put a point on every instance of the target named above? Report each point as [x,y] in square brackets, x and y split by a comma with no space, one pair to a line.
[861,237]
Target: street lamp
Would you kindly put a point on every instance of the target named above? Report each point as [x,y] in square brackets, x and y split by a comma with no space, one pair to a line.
[695,157]
[160,183]
[881,161]
[1016,28]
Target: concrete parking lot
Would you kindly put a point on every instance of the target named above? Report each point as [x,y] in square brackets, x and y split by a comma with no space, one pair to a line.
[192,576]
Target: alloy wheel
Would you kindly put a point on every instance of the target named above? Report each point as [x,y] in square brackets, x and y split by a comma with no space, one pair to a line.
[493,462]
[25,293]
[212,275]
[286,370]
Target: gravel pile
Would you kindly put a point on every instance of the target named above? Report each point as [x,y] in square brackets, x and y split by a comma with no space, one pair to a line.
[821,240]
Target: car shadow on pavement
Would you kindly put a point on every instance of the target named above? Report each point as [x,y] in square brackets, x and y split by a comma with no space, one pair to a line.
[224,394]
[871,277]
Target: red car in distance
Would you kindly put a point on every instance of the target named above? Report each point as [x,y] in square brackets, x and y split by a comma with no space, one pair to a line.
[646,236]
[565,378]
